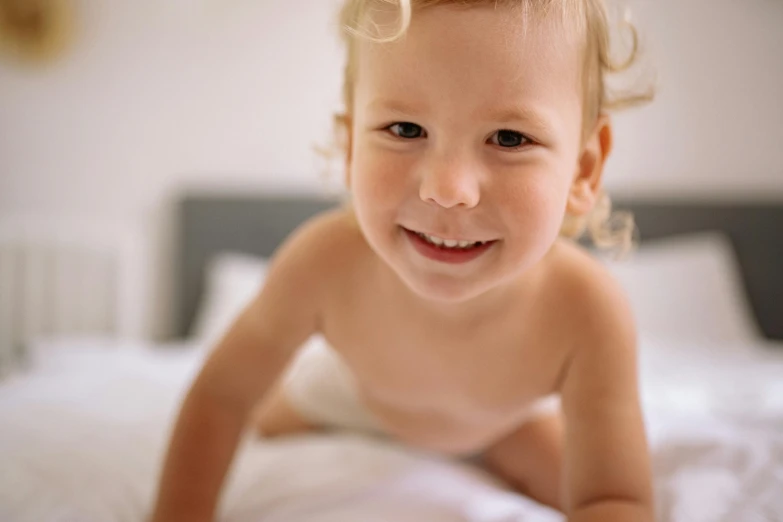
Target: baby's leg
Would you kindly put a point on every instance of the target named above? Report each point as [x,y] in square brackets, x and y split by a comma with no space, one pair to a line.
[530,459]
[276,416]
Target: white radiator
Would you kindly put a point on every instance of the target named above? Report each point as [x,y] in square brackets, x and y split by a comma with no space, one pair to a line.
[59,280]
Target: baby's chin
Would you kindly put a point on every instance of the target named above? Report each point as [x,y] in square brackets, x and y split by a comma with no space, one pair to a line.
[449,289]
[456,288]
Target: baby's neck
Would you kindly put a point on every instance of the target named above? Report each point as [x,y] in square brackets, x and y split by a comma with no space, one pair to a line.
[493,303]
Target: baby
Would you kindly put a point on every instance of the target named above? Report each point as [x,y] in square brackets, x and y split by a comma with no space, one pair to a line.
[457,312]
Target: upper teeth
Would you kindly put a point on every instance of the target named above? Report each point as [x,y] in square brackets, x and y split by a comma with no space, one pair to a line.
[449,243]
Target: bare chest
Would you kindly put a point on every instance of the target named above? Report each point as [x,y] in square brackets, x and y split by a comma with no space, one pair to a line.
[440,384]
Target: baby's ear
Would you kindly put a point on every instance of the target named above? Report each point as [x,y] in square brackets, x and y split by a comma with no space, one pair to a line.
[586,186]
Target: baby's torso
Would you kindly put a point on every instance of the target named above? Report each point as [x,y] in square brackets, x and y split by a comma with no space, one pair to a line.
[448,385]
[441,391]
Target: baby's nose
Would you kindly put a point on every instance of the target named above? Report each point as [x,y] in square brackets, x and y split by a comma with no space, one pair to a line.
[450,184]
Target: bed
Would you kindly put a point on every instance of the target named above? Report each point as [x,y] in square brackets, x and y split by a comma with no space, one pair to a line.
[85,427]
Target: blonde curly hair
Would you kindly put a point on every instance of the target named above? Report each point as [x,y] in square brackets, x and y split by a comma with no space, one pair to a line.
[606,228]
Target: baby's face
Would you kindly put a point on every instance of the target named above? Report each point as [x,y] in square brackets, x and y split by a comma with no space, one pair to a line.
[467,129]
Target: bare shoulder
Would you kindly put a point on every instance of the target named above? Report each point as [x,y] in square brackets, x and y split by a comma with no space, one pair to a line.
[592,318]
[316,261]
[328,232]
[596,305]
[302,274]
[320,249]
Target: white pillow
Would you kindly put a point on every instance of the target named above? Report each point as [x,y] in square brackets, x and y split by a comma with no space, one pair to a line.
[231,282]
[688,288]
[702,378]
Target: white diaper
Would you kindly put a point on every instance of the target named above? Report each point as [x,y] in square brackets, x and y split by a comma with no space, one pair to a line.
[543,407]
[321,388]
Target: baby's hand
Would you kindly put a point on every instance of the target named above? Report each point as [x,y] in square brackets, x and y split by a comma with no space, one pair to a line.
[613,511]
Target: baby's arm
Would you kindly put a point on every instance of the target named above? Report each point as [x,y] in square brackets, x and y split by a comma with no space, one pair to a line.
[607,463]
[241,369]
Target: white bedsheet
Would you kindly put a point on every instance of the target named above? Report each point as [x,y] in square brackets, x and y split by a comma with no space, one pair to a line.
[82,437]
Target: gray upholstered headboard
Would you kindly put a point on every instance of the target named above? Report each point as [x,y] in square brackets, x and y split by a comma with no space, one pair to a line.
[257,224]
[756,232]
[210,224]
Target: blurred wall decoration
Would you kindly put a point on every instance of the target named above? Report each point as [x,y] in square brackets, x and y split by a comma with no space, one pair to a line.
[35,31]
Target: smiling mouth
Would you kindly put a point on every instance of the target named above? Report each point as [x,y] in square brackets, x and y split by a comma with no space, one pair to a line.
[447,250]
[451,244]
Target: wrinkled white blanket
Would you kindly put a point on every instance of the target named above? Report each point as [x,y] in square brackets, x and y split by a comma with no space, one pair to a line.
[82,437]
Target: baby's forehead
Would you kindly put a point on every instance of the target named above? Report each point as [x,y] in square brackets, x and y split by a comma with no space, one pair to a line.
[510,47]
[510,20]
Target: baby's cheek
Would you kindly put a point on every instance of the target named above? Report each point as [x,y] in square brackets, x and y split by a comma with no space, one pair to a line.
[383,184]
[535,205]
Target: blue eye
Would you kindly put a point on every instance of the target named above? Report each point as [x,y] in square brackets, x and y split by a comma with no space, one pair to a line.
[509,139]
[406,130]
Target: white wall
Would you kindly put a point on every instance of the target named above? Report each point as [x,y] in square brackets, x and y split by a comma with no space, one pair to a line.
[160,94]
[717,124]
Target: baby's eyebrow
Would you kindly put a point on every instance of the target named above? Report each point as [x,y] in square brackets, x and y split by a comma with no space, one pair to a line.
[522,114]
[394,106]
